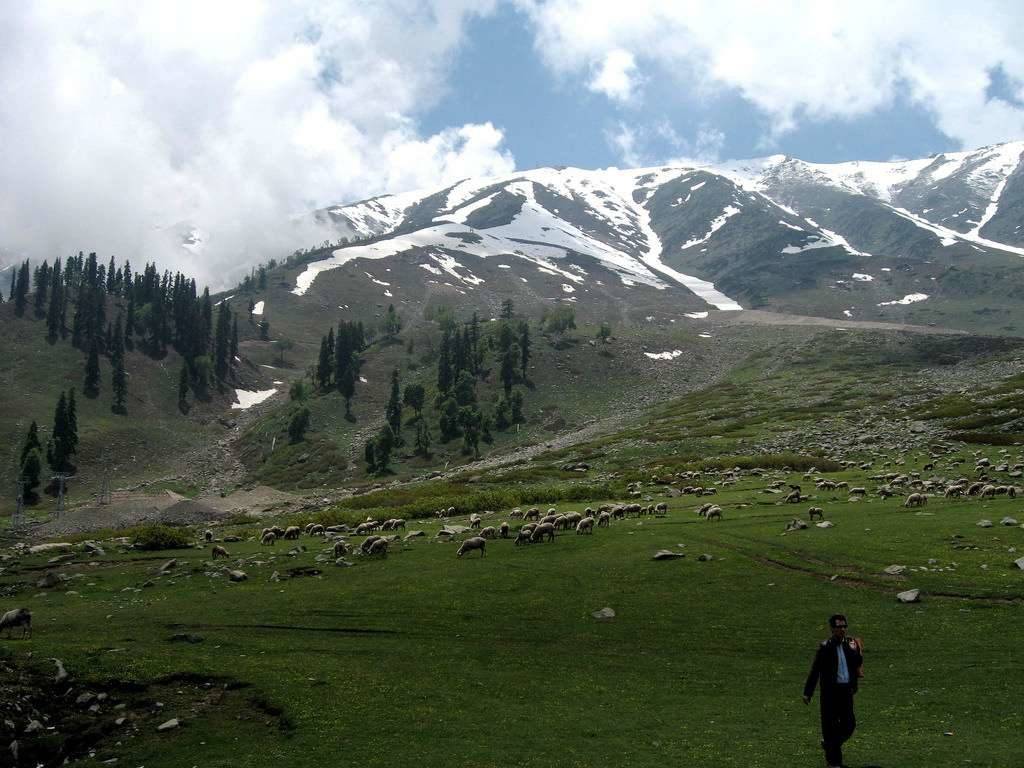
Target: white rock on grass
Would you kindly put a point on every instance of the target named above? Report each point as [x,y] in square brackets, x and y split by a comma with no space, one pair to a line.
[984,523]
[1009,521]
[910,596]
[1019,562]
[605,614]
[169,725]
[895,570]
[667,554]
[237,576]
[825,524]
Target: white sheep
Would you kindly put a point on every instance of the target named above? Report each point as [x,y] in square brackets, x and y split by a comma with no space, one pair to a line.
[503,530]
[586,525]
[816,512]
[715,512]
[474,520]
[379,547]
[489,532]
[208,535]
[916,500]
[268,537]
[340,548]
[219,551]
[19,617]
[604,519]
[476,542]
[542,530]
[292,532]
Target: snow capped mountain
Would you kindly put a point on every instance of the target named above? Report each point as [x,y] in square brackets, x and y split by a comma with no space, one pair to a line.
[774,231]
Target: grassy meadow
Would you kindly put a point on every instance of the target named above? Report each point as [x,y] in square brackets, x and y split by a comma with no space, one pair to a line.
[495,661]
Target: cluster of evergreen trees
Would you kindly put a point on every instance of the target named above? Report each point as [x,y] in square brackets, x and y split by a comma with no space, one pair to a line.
[154,311]
[60,447]
[338,363]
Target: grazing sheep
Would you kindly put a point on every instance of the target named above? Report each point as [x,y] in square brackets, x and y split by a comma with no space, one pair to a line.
[397,523]
[988,492]
[552,511]
[573,518]
[451,511]
[542,530]
[477,542]
[19,617]
[522,537]
[368,542]
[816,512]
[219,551]
[379,547]
[489,532]
[474,520]
[208,535]
[532,514]
[954,491]
[268,538]
[714,512]
[561,522]
[548,519]
[1011,491]
[516,513]
[586,525]
[292,532]
[340,548]
[703,510]
[842,484]
[364,528]
[308,528]
[604,519]
[317,530]
[661,508]
[975,488]
[503,530]
[858,491]
[916,500]
[793,497]
[619,512]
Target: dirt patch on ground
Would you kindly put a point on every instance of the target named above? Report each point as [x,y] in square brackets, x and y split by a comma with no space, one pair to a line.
[48,718]
[161,508]
[259,500]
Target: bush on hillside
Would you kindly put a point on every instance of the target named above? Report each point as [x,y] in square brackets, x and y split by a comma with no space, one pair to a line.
[154,537]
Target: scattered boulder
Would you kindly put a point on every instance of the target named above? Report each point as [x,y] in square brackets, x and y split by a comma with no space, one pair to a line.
[894,570]
[170,725]
[1009,521]
[705,558]
[667,554]
[825,524]
[52,547]
[341,562]
[49,581]
[413,535]
[605,614]
[984,523]
[62,673]
[1019,562]
[169,565]
[910,596]
[237,575]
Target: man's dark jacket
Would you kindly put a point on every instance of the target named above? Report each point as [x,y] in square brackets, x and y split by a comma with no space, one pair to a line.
[826,666]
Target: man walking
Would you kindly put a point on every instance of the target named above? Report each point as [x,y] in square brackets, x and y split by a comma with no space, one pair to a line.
[836,667]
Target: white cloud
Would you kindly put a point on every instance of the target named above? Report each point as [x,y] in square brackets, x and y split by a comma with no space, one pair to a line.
[616,76]
[122,121]
[807,60]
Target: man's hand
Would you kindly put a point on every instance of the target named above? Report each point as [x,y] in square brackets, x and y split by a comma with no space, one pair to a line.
[807,699]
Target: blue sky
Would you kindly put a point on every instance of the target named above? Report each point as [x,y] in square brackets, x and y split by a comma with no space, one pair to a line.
[549,119]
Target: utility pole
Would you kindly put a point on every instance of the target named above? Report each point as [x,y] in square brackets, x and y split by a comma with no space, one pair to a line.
[60,477]
[19,508]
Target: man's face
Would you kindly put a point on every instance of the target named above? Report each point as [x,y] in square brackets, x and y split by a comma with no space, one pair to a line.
[839,630]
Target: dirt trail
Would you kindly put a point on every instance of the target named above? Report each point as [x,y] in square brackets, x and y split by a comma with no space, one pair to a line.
[762,317]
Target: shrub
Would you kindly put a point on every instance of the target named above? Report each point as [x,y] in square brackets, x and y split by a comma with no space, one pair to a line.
[153,537]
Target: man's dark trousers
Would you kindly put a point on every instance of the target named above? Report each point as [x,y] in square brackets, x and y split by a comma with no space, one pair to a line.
[837,720]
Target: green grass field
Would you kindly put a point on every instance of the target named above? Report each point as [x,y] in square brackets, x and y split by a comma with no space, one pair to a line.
[497,661]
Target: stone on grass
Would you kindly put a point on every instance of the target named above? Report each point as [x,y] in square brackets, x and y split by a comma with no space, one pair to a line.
[984,523]
[341,562]
[237,575]
[910,596]
[667,554]
[895,570]
[52,547]
[169,565]
[605,614]
[169,725]
[1019,562]
[826,524]
[49,581]
[413,535]
[1009,521]
[62,673]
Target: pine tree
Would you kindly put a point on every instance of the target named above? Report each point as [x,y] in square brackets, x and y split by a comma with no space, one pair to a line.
[72,421]
[414,397]
[347,388]
[21,289]
[502,415]
[54,312]
[324,366]
[31,468]
[507,309]
[524,348]
[111,277]
[423,439]
[31,442]
[517,408]
[393,412]
[369,454]
[392,323]
[14,283]
[91,387]
[298,425]
[129,319]
[183,379]
[119,378]
[222,342]
[448,421]
[510,360]
[470,420]
[41,281]
[63,437]
[445,376]
[383,447]
[234,340]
